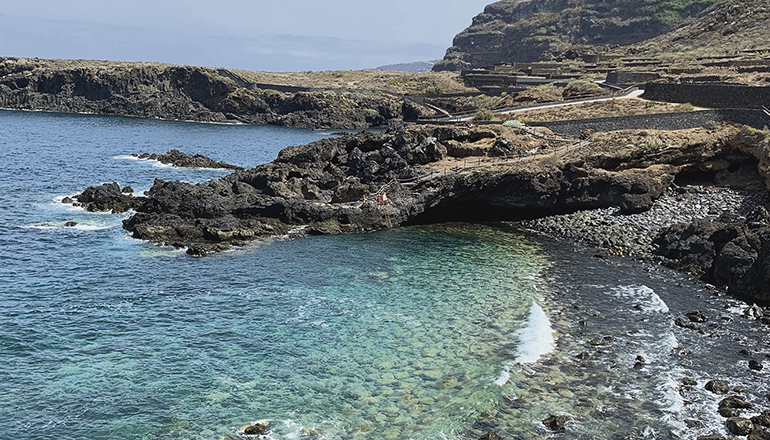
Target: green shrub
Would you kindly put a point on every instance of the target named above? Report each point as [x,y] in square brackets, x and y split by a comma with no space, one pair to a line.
[484,115]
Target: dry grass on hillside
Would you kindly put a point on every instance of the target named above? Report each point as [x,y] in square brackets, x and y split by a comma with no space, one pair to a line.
[402,83]
[613,107]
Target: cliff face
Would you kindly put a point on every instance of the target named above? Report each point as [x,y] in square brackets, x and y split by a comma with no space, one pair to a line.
[181,92]
[524,31]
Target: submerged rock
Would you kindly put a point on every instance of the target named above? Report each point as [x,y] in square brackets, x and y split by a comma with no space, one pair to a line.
[490,435]
[755,365]
[555,422]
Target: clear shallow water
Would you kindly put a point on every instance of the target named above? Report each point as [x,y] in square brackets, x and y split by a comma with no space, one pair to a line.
[408,333]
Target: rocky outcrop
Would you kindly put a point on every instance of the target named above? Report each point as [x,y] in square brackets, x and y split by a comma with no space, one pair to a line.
[510,31]
[182,160]
[427,174]
[183,93]
[730,251]
[106,197]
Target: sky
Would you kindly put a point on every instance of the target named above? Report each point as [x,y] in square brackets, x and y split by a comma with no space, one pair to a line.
[287,35]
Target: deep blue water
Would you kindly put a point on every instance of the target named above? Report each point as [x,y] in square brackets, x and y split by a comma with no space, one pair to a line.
[408,333]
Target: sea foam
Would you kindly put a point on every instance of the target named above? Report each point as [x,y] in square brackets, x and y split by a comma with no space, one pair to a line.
[535,340]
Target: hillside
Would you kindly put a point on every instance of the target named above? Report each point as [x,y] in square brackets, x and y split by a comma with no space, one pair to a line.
[525,31]
[737,27]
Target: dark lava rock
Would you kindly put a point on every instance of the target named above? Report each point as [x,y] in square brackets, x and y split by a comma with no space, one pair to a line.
[127,190]
[681,322]
[728,251]
[718,386]
[696,316]
[596,342]
[736,402]
[755,365]
[763,419]
[490,435]
[256,428]
[182,160]
[67,200]
[693,423]
[759,433]
[555,423]
[70,224]
[107,197]
[739,389]
[582,356]
[729,412]
[712,437]
[689,382]
[739,426]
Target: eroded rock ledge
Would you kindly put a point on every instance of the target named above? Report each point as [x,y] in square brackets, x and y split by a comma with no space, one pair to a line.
[182,160]
[424,174]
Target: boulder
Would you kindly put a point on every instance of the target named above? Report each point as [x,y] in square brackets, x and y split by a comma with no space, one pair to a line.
[762,419]
[739,426]
[555,422]
[256,428]
[718,386]
[755,365]
[736,402]
[696,316]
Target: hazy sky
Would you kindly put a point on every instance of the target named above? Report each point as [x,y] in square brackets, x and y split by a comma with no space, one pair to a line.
[257,34]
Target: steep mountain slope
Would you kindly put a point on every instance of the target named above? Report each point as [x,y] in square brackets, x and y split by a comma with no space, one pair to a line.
[525,31]
[728,28]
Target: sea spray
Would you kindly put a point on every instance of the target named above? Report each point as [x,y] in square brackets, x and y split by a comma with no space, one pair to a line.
[535,339]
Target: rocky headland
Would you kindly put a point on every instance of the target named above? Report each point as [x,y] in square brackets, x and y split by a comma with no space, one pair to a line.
[154,90]
[425,174]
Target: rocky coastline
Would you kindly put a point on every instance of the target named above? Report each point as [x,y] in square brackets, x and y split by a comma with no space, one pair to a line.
[640,192]
[153,90]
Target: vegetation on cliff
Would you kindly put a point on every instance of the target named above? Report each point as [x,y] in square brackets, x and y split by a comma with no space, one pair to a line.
[511,31]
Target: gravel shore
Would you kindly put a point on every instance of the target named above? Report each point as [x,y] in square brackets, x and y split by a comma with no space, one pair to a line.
[633,234]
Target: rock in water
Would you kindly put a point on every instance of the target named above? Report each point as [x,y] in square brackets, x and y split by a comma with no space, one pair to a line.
[107,197]
[182,160]
[555,423]
[739,426]
[491,435]
[736,402]
[696,316]
[256,428]
[755,365]
[718,386]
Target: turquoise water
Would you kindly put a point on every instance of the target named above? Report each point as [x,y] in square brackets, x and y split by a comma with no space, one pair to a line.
[391,334]
[430,332]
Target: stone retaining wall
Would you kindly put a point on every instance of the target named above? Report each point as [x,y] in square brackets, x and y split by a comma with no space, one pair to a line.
[710,95]
[661,121]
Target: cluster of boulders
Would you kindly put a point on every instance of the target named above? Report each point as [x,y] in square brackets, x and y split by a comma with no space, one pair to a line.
[731,409]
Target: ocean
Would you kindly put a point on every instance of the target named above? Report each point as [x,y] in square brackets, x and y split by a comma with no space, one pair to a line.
[431,332]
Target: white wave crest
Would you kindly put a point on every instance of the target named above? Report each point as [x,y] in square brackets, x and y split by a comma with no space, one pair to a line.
[535,340]
[649,301]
